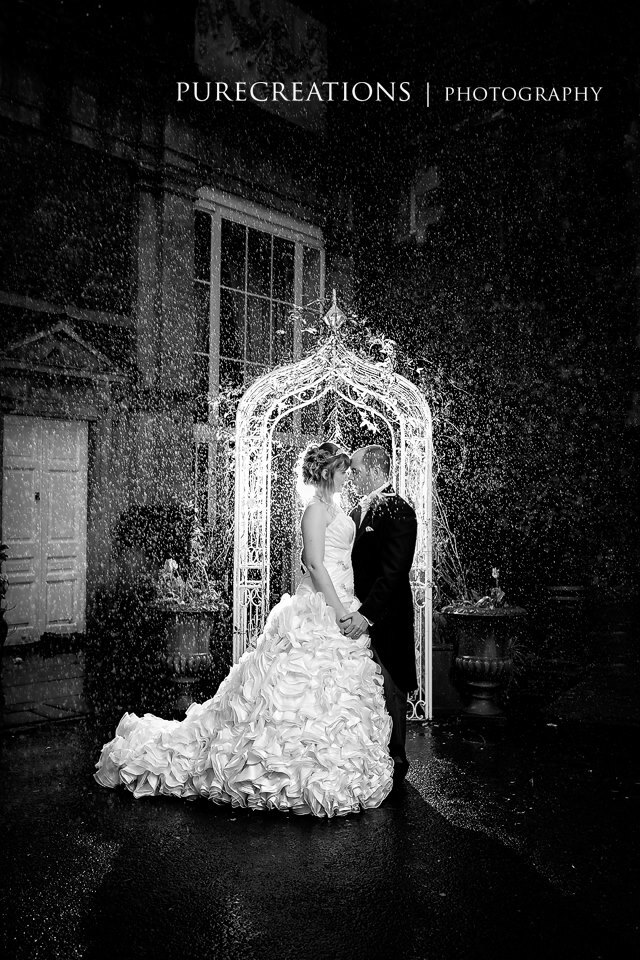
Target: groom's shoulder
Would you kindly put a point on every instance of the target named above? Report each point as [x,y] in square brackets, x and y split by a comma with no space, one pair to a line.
[397,506]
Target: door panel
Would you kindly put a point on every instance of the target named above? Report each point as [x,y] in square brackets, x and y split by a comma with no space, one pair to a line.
[61,601]
[64,483]
[21,522]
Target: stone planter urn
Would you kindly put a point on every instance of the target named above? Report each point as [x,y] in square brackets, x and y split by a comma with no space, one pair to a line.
[483,643]
[188,632]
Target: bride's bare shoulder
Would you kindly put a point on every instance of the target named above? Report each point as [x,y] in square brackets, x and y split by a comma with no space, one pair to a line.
[316,511]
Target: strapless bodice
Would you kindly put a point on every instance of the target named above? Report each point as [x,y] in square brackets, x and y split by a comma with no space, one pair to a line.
[338,541]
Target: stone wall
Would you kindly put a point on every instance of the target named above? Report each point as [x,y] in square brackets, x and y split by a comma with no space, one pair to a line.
[102,171]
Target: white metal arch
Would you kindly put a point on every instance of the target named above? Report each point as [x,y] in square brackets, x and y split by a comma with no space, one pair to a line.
[362,384]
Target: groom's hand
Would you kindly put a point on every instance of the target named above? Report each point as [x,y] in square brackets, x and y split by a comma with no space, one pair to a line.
[356,627]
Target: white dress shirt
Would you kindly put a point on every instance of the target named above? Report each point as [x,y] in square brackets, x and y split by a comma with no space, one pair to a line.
[367,500]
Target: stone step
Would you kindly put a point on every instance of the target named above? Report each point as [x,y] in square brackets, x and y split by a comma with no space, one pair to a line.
[17,671]
[57,708]
[32,693]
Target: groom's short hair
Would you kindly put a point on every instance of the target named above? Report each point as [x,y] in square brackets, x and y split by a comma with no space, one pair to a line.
[376,456]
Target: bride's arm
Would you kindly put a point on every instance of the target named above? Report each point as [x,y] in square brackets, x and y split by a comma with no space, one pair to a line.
[314,524]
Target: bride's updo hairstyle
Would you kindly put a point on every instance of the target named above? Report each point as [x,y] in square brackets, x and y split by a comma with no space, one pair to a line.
[317,466]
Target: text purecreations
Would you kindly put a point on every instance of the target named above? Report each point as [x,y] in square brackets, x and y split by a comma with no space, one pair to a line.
[263,91]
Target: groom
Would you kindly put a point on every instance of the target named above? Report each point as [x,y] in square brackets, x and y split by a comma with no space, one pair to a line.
[382,555]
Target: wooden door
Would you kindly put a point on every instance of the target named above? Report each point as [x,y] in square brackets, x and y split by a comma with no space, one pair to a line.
[44,524]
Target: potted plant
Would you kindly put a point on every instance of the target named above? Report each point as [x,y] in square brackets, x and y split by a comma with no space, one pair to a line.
[193,602]
[485,629]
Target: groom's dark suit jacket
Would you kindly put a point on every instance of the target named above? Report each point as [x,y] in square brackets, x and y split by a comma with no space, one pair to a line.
[382,556]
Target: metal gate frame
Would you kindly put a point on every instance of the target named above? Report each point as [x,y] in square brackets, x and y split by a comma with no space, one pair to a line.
[372,388]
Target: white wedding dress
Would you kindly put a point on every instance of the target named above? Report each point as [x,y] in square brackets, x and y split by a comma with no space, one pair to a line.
[299,724]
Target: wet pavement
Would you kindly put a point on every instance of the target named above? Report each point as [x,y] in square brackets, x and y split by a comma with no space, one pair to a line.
[511,840]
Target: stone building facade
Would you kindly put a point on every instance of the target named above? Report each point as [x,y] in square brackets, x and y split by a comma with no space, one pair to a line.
[152,252]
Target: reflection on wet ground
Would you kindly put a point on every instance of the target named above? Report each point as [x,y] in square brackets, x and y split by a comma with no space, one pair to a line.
[564,796]
[513,840]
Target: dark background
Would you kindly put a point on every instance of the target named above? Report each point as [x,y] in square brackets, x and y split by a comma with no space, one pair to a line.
[513,300]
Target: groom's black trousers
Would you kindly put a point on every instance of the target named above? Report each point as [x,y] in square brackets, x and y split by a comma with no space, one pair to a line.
[396,703]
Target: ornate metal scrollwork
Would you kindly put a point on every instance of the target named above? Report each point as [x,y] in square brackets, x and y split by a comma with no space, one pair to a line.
[339,374]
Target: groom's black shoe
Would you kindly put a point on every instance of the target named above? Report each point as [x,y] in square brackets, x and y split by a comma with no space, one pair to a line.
[400,768]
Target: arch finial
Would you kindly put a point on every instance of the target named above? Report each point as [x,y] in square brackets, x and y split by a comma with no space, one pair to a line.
[334,318]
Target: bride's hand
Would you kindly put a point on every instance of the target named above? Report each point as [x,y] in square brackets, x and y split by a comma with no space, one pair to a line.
[344,618]
[356,625]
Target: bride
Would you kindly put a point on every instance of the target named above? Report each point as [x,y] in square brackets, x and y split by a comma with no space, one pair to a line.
[299,724]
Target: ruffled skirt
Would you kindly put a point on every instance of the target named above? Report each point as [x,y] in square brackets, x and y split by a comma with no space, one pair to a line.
[299,724]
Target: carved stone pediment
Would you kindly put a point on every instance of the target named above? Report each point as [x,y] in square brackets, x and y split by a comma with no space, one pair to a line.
[58,350]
